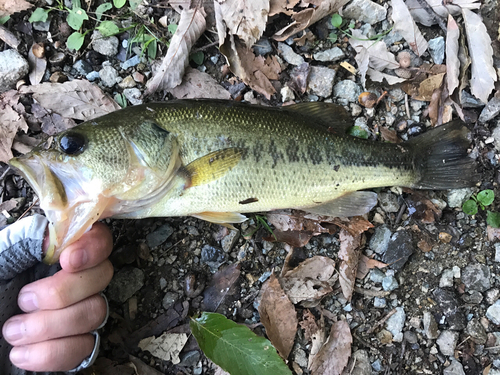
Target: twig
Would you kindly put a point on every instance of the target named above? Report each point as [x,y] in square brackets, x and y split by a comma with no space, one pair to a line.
[29,208]
[407,106]
[382,321]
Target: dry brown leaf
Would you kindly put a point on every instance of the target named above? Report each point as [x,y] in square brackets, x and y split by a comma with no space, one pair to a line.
[349,253]
[483,75]
[313,332]
[196,84]
[309,16]
[422,208]
[335,353]
[435,106]
[37,65]
[191,25]
[379,58]
[406,26]
[310,281]
[452,61]
[278,316]
[9,7]
[219,286]
[354,225]
[245,18]
[282,6]
[366,264]
[389,135]
[298,78]
[10,122]
[77,99]
[377,76]
[427,87]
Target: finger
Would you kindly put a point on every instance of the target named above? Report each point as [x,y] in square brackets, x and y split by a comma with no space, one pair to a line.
[55,355]
[64,288]
[82,317]
[90,250]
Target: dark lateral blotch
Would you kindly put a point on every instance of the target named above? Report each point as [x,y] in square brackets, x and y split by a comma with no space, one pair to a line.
[249,200]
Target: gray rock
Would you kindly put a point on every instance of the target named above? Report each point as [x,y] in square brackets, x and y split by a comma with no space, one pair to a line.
[212,256]
[431,330]
[396,323]
[124,284]
[493,313]
[262,47]
[107,46]
[332,54]
[410,337]
[287,94]
[389,283]
[457,197]
[169,299]
[133,61]
[446,278]
[361,363]
[496,137]
[42,26]
[13,67]
[321,81]
[494,371]
[159,236]
[379,302]
[399,249]
[365,11]
[300,358]
[388,202]
[491,110]
[476,277]
[230,240]
[92,76]
[82,67]
[377,365]
[376,275]
[392,38]
[449,306]
[473,296]
[189,359]
[447,342]
[469,101]
[477,332]
[133,95]
[289,55]
[348,90]
[455,368]
[497,252]
[436,49]
[108,75]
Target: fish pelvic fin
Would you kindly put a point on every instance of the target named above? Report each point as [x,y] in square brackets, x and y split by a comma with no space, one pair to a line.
[350,204]
[222,218]
[441,160]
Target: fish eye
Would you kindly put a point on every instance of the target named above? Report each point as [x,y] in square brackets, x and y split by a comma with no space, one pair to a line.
[72,143]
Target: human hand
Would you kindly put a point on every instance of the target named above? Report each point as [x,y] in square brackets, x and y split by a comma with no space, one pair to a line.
[62,309]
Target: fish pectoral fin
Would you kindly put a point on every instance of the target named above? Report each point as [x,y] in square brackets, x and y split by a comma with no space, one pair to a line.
[328,116]
[222,218]
[350,204]
[211,167]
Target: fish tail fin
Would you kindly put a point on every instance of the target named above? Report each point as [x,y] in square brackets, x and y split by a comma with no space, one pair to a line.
[440,155]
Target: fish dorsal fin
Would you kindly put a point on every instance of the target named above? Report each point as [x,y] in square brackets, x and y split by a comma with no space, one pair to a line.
[350,204]
[212,166]
[222,218]
[332,117]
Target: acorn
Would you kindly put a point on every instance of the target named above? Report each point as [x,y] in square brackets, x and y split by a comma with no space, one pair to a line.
[368,99]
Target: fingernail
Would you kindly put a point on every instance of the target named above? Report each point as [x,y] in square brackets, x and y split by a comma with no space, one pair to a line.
[28,301]
[78,258]
[19,355]
[14,330]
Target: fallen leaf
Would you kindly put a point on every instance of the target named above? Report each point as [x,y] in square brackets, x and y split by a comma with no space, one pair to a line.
[435,106]
[427,87]
[483,75]
[363,60]
[365,264]
[282,6]
[107,366]
[8,205]
[166,347]
[421,208]
[335,353]
[191,25]
[354,225]
[196,84]
[389,135]
[309,16]
[452,61]
[10,122]
[9,37]
[37,64]
[377,76]
[298,78]
[9,7]
[310,281]
[142,368]
[379,57]
[245,18]
[349,253]
[407,28]
[219,286]
[314,333]
[77,99]
[278,316]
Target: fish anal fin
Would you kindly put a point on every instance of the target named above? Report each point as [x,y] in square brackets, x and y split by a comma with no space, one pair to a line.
[350,204]
[331,117]
[222,218]
[212,166]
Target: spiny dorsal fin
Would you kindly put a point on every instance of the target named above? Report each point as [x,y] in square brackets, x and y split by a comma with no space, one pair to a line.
[332,117]
[212,166]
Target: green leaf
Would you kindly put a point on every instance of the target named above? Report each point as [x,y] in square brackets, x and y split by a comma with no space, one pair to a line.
[470,207]
[332,37]
[152,48]
[108,28]
[4,19]
[121,100]
[358,132]
[197,57]
[39,15]
[134,3]
[493,219]
[75,41]
[76,16]
[235,348]
[101,9]
[119,3]
[486,197]
[172,28]
[336,20]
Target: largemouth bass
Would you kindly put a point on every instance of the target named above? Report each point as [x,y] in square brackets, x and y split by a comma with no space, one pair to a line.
[217,159]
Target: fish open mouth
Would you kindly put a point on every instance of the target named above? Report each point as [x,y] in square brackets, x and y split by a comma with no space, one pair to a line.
[70,204]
